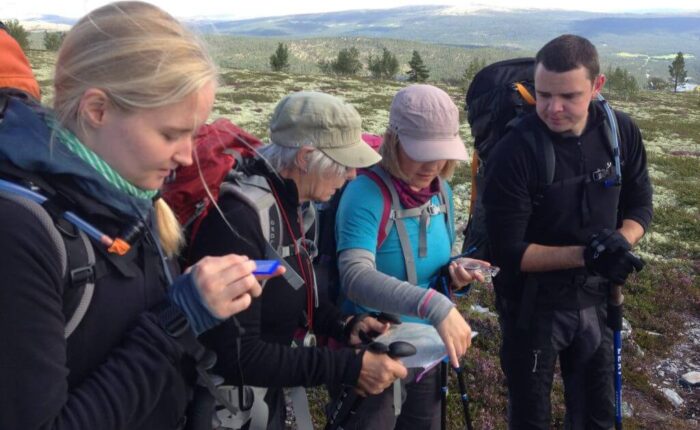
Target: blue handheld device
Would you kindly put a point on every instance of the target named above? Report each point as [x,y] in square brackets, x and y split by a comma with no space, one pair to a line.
[265,267]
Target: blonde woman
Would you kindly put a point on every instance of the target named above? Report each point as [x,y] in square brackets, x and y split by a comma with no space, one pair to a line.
[420,151]
[131,88]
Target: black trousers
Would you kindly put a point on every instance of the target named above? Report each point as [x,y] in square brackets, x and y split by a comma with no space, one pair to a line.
[583,343]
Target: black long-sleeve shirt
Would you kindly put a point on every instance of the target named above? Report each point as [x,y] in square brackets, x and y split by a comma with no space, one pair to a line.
[266,356]
[512,181]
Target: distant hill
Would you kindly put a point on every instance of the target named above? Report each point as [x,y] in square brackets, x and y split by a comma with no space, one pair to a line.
[522,29]
[641,43]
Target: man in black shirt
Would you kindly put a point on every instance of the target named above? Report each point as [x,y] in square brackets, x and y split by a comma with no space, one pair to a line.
[553,290]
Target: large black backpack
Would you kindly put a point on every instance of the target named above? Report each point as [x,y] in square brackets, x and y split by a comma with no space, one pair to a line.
[500,93]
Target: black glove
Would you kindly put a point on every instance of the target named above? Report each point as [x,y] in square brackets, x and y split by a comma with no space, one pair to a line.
[608,255]
[611,241]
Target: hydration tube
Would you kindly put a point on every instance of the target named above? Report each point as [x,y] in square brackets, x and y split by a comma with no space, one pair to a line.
[116,246]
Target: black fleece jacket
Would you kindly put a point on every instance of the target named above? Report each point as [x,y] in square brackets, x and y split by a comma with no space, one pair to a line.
[266,358]
[118,370]
[569,214]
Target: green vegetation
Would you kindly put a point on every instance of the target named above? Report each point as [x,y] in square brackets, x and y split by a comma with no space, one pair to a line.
[346,64]
[384,67]
[677,71]
[18,32]
[52,41]
[621,82]
[279,61]
[472,69]
[657,83]
[447,62]
[658,300]
[418,72]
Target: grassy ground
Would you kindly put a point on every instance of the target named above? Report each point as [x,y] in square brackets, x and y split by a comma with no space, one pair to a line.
[660,300]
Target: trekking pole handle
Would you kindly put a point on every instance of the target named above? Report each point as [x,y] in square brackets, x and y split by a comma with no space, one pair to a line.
[398,349]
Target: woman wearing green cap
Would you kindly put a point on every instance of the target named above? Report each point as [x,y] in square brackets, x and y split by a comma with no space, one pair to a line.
[393,274]
[315,147]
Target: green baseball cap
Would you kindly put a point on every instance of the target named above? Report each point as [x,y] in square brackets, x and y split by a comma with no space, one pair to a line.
[324,122]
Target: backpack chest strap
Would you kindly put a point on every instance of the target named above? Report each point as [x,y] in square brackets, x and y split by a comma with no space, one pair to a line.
[423,212]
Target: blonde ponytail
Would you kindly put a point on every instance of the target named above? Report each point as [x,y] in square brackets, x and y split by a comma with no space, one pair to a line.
[171,238]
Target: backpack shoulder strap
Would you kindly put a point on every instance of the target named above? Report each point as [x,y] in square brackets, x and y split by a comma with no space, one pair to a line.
[255,192]
[407,251]
[81,276]
[386,221]
[445,202]
[77,260]
[612,133]
[541,145]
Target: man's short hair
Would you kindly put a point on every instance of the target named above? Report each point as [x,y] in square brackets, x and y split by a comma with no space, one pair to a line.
[568,52]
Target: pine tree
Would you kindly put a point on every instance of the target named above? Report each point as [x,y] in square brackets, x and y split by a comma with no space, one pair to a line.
[472,69]
[279,61]
[621,82]
[418,72]
[677,71]
[384,67]
[347,63]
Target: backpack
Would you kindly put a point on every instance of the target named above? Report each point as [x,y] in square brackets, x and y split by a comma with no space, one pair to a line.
[218,147]
[77,257]
[498,93]
[497,100]
[221,151]
[73,248]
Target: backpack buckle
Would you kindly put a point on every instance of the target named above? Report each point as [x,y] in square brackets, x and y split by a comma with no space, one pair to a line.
[82,276]
[433,210]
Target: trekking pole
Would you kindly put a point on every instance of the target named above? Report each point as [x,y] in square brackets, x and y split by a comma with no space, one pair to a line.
[464,397]
[443,394]
[615,322]
[349,401]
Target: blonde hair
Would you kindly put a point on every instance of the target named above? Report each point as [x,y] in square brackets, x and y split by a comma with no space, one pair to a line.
[390,158]
[142,58]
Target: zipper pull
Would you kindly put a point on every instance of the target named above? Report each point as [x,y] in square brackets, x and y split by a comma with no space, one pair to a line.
[535,353]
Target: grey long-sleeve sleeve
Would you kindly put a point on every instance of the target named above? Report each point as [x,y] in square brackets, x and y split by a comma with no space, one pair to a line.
[363,284]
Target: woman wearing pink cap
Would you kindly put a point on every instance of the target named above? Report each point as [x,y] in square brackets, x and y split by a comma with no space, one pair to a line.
[389,266]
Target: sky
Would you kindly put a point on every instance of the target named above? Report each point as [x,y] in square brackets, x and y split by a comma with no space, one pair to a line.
[237,9]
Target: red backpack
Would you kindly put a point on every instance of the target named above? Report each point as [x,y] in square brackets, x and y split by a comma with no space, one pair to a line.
[218,147]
